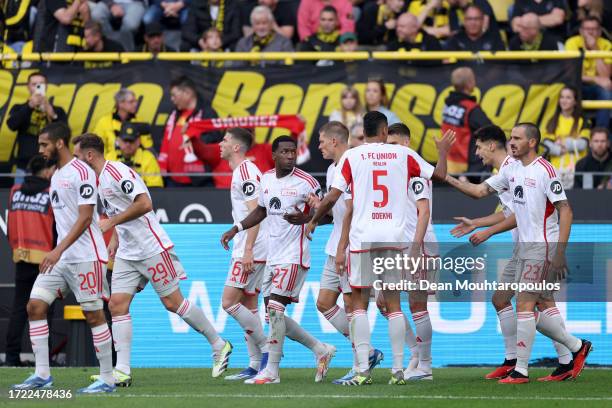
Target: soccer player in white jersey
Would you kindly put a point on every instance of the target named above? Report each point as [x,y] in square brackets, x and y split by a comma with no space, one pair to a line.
[248,262]
[378,175]
[333,142]
[285,193]
[77,263]
[543,217]
[491,148]
[143,253]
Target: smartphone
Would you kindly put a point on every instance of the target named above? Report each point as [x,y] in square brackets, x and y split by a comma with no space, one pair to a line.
[40,89]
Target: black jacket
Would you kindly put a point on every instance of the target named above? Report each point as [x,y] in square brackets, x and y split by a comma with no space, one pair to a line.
[199,20]
[589,164]
[489,41]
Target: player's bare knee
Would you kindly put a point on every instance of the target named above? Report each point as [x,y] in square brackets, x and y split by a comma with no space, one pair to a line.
[37,309]
[324,304]
[228,303]
[94,318]
[118,307]
[500,302]
[170,304]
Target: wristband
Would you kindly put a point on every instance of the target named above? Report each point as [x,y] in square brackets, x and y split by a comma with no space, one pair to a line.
[238,225]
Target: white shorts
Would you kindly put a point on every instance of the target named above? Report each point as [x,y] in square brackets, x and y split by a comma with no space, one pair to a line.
[535,271]
[250,283]
[330,280]
[284,280]
[87,280]
[164,270]
[361,268]
[509,274]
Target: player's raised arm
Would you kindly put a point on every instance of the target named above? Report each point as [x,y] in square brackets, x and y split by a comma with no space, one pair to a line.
[140,206]
[443,145]
[470,189]
[255,217]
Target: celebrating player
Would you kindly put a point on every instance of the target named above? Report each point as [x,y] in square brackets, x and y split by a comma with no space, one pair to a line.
[77,263]
[544,218]
[284,189]
[378,175]
[248,263]
[143,252]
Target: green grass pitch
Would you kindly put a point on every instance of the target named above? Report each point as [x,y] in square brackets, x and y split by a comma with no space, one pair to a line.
[451,387]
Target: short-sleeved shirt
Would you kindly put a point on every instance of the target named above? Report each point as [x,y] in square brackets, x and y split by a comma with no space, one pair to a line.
[378,175]
[72,186]
[505,199]
[338,212]
[420,189]
[542,8]
[280,196]
[534,188]
[589,66]
[246,179]
[143,237]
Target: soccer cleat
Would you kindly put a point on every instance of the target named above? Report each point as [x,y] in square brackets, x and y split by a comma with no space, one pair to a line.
[417,375]
[514,378]
[375,358]
[502,371]
[121,379]
[262,367]
[221,359]
[562,372]
[580,357]
[346,377]
[397,378]
[323,362]
[34,382]
[265,378]
[245,374]
[358,380]
[97,387]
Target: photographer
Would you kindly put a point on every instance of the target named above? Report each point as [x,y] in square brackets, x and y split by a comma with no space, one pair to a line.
[29,118]
[133,155]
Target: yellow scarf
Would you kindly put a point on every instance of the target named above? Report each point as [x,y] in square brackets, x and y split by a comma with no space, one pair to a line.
[260,43]
[214,64]
[328,38]
[218,23]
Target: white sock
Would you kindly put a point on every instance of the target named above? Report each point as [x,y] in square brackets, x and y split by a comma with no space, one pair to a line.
[122,338]
[361,336]
[102,341]
[276,338]
[253,331]
[253,348]
[397,334]
[525,333]
[351,338]
[410,340]
[507,323]
[296,333]
[194,317]
[424,334]
[551,324]
[39,336]
[337,317]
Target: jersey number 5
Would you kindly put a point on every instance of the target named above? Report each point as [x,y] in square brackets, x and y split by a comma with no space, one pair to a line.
[380,187]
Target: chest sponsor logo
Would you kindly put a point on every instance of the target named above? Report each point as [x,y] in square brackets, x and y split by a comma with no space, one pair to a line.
[275,203]
[518,191]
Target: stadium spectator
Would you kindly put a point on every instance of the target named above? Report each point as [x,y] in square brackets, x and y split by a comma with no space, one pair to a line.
[31,237]
[473,37]
[376,99]
[378,21]
[133,155]
[154,39]
[263,39]
[463,115]
[327,37]
[167,11]
[592,8]
[309,11]
[564,136]
[530,36]
[96,42]
[224,15]
[410,37]
[120,19]
[551,13]
[457,13]
[348,42]
[432,15]
[598,159]
[176,154]
[109,126]
[29,118]
[351,112]
[596,82]
[285,16]
[211,42]
[16,30]
[357,138]
[63,22]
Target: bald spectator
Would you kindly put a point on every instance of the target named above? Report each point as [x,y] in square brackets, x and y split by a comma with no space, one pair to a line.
[551,14]
[530,36]
[463,115]
[473,38]
[378,21]
[410,37]
[309,11]
[457,11]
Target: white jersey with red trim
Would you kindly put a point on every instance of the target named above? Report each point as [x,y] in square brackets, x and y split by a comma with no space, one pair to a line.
[338,211]
[246,181]
[143,237]
[279,196]
[421,189]
[74,185]
[505,198]
[534,188]
[378,175]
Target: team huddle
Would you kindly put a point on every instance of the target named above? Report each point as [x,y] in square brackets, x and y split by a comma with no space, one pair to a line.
[378,198]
